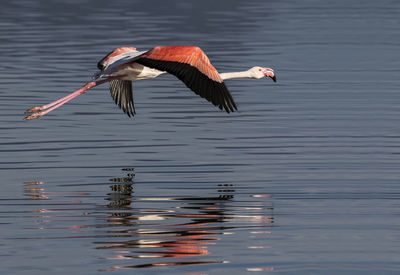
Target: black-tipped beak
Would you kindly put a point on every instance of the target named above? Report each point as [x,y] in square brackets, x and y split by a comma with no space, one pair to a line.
[273,78]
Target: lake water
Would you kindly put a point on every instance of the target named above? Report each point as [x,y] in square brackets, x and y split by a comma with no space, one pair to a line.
[303,179]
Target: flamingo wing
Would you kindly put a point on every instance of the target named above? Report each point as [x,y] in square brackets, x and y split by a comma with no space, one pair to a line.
[192,66]
[121,92]
[117,57]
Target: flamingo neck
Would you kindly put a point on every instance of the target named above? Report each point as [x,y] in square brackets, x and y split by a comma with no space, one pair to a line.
[244,74]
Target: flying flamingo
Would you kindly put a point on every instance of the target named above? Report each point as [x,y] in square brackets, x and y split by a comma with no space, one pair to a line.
[188,63]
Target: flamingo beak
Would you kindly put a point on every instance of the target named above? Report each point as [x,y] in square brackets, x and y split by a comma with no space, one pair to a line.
[270,73]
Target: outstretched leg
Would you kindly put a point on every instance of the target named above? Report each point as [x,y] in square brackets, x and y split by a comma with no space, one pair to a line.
[42,110]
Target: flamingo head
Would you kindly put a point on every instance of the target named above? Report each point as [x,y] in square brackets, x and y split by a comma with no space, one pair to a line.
[260,72]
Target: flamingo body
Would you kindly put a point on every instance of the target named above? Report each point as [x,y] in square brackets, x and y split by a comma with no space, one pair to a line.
[188,63]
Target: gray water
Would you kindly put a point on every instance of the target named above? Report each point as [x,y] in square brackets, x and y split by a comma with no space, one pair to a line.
[303,179]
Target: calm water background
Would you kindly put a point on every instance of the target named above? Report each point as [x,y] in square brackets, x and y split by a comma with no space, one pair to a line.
[303,179]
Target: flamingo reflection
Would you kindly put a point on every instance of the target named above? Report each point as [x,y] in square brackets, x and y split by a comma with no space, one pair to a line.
[34,190]
[183,231]
[147,231]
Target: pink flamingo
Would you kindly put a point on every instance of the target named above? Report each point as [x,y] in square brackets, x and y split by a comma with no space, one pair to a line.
[189,64]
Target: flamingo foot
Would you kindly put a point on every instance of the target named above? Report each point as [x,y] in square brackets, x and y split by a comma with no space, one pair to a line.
[34,110]
[34,116]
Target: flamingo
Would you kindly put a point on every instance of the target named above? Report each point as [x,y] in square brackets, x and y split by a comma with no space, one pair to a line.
[188,63]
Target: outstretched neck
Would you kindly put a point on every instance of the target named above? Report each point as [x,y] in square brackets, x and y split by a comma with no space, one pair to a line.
[244,74]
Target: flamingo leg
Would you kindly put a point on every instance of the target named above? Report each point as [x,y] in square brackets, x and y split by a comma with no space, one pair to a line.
[42,110]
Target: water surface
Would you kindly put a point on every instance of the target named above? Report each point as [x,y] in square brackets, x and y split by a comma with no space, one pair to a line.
[302,179]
